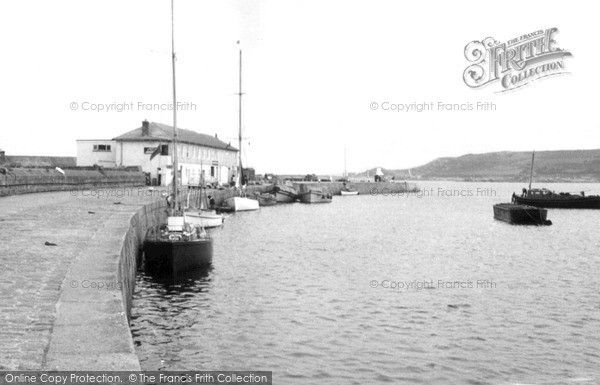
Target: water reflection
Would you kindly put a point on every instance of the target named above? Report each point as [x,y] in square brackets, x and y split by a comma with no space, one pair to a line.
[168,308]
[193,281]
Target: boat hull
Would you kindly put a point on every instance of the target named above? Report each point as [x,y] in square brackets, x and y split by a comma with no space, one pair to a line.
[165,256]
[284,194]
[315,196]
[567,202]
[241,204]
[517,214]
[204,219]
[349,192]
[266,199]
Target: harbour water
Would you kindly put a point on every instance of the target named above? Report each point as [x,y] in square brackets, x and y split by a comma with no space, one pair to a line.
[387,289]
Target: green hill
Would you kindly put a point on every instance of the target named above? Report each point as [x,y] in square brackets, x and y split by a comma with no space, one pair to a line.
[550,166]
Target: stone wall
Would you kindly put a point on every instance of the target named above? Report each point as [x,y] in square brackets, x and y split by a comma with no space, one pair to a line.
[364,188]
[31,180]
[91,329]
[149,215]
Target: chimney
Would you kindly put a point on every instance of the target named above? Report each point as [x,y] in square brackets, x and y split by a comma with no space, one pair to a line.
[145,128]
[216,136]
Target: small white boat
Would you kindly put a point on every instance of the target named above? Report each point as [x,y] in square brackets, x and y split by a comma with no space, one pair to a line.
[204,218]
[241,204]
[349,192]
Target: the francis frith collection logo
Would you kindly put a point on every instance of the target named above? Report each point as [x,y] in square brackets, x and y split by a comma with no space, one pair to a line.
[516,62]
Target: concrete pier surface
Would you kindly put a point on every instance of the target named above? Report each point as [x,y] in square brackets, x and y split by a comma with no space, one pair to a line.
[62,307]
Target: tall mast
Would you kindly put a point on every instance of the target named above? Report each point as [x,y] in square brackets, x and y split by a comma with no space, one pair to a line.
[345,172]
[241,173]
[175,157]
[531,172]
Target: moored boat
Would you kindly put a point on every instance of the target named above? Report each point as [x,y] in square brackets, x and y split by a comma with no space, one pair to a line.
[315,195]
[518,214]
[266,199]
[348,190]
[204,218]
[284,193]
[550,199]
[241,204]
[177,247]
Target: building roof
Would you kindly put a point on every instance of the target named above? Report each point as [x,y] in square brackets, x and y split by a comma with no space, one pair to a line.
[163,132]
[40,161]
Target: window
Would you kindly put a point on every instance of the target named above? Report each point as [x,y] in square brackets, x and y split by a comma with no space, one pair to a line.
[149,150]
[102,148]
[212,170]
[164,150]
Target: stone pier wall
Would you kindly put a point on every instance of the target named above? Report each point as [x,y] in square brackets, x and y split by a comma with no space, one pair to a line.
[15,181]
[364,188]
[149,215]
[91,328]
[69,268]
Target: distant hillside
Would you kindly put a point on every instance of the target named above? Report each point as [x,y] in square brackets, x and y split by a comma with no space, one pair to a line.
[550,166]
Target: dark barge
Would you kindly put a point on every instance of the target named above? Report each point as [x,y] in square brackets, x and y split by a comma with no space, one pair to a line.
[517,214]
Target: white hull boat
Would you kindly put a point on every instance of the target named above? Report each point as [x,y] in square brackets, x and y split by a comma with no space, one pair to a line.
[349,192]
[206,219]
[241,204]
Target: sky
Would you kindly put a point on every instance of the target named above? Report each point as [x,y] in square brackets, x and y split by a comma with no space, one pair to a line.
[312,73]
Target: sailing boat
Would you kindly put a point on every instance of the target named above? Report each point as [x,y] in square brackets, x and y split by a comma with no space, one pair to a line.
[347,190]
[204,217]
[176,246]
[241,203]
[549,199]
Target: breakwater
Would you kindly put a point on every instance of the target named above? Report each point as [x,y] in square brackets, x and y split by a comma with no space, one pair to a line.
[363,188]
[32,180]
[65,304]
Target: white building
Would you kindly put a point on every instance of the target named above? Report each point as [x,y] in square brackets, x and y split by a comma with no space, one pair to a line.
[151,148]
